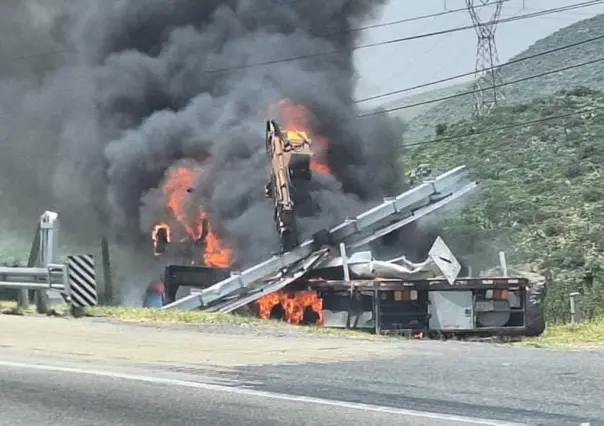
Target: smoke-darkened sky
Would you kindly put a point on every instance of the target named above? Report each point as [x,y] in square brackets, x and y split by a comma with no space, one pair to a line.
[145,85]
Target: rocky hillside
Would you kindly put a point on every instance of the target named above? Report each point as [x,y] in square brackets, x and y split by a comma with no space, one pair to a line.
[422,126]
[542,192]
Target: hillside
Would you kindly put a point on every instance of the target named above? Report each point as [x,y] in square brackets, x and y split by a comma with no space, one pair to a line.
[542,193]
[422,126]
[408,114]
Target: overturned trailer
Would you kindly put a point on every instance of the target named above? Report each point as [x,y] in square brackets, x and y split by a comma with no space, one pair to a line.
[318,282]
[361,292]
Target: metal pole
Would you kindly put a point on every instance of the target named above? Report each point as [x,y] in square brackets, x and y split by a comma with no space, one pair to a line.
[573,312]
[49,224]
[346,280]
[109,290]
[503,263]
[376,307]
[23,296]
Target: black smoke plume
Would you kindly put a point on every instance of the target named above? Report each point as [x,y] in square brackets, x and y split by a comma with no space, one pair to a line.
[142,86]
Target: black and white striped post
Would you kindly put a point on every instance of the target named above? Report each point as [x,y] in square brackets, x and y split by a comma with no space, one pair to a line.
[82,280]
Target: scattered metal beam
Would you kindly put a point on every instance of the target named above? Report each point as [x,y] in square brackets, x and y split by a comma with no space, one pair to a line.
[438,191]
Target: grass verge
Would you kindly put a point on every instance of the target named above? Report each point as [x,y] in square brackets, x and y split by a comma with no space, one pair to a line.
[144,315]
[586,333]
[11,308]
[134,314]
[156,315]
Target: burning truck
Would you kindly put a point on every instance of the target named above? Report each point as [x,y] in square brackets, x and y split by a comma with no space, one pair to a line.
[186,235]
[308,283]
[189,236]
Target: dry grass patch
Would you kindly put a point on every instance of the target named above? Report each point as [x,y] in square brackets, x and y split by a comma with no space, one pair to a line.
[585,333]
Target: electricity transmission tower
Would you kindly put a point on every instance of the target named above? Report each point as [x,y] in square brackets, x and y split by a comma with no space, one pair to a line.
[487,81]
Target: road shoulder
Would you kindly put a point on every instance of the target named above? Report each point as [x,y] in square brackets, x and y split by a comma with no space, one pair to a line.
[93,340]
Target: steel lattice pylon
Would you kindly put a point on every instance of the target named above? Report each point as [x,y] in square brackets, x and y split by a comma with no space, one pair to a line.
[487,82]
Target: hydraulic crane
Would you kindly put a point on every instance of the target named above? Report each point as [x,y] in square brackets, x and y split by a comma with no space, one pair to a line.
[289,154]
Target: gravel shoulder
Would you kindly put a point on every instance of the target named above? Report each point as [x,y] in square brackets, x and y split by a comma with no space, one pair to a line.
[110,341]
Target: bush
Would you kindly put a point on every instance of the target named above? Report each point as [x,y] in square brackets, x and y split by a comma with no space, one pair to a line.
[541,198]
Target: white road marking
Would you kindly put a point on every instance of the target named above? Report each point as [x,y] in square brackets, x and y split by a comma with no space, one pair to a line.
[262,394]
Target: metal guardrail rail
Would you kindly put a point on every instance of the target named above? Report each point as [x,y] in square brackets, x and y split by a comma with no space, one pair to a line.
[51,277]
[75,279]
[276,284]
[390,215]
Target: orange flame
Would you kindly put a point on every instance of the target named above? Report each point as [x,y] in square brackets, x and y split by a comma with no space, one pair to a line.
[295,117]
[177,185]
[217,254]
[294,306]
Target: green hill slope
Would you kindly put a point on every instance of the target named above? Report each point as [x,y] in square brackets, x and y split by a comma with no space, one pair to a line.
[542,193]
[422,126]
[407,112]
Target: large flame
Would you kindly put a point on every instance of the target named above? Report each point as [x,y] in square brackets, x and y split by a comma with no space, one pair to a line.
[294,306]
[177,186]
[295,117]
[217,253]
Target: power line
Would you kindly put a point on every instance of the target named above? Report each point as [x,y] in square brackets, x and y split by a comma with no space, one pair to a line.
[407,20]
[403,39]
[372,45]
[380,25]
[425,52]
[471,92]
[468,27]
[291,3]
[470,73]
[35,55]
[510,126]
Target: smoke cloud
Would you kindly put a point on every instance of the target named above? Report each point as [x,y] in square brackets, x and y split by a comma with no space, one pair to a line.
[138,87]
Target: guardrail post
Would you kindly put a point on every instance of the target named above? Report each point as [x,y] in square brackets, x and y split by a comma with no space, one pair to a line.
[503,263]
[346,270]
[23,296]
[49,227]
[109,295]
[573,312]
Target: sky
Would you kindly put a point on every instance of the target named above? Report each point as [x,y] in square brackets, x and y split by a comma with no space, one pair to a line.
[406,64]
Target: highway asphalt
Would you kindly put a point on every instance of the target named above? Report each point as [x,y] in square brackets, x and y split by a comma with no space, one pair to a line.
[413,383]
[525,385]
[59,396]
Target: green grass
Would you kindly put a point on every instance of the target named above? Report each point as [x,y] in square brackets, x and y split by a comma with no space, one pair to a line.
[581,334]
[155,315]
[585,333]
[11,308]
[200,317]
[145,315]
